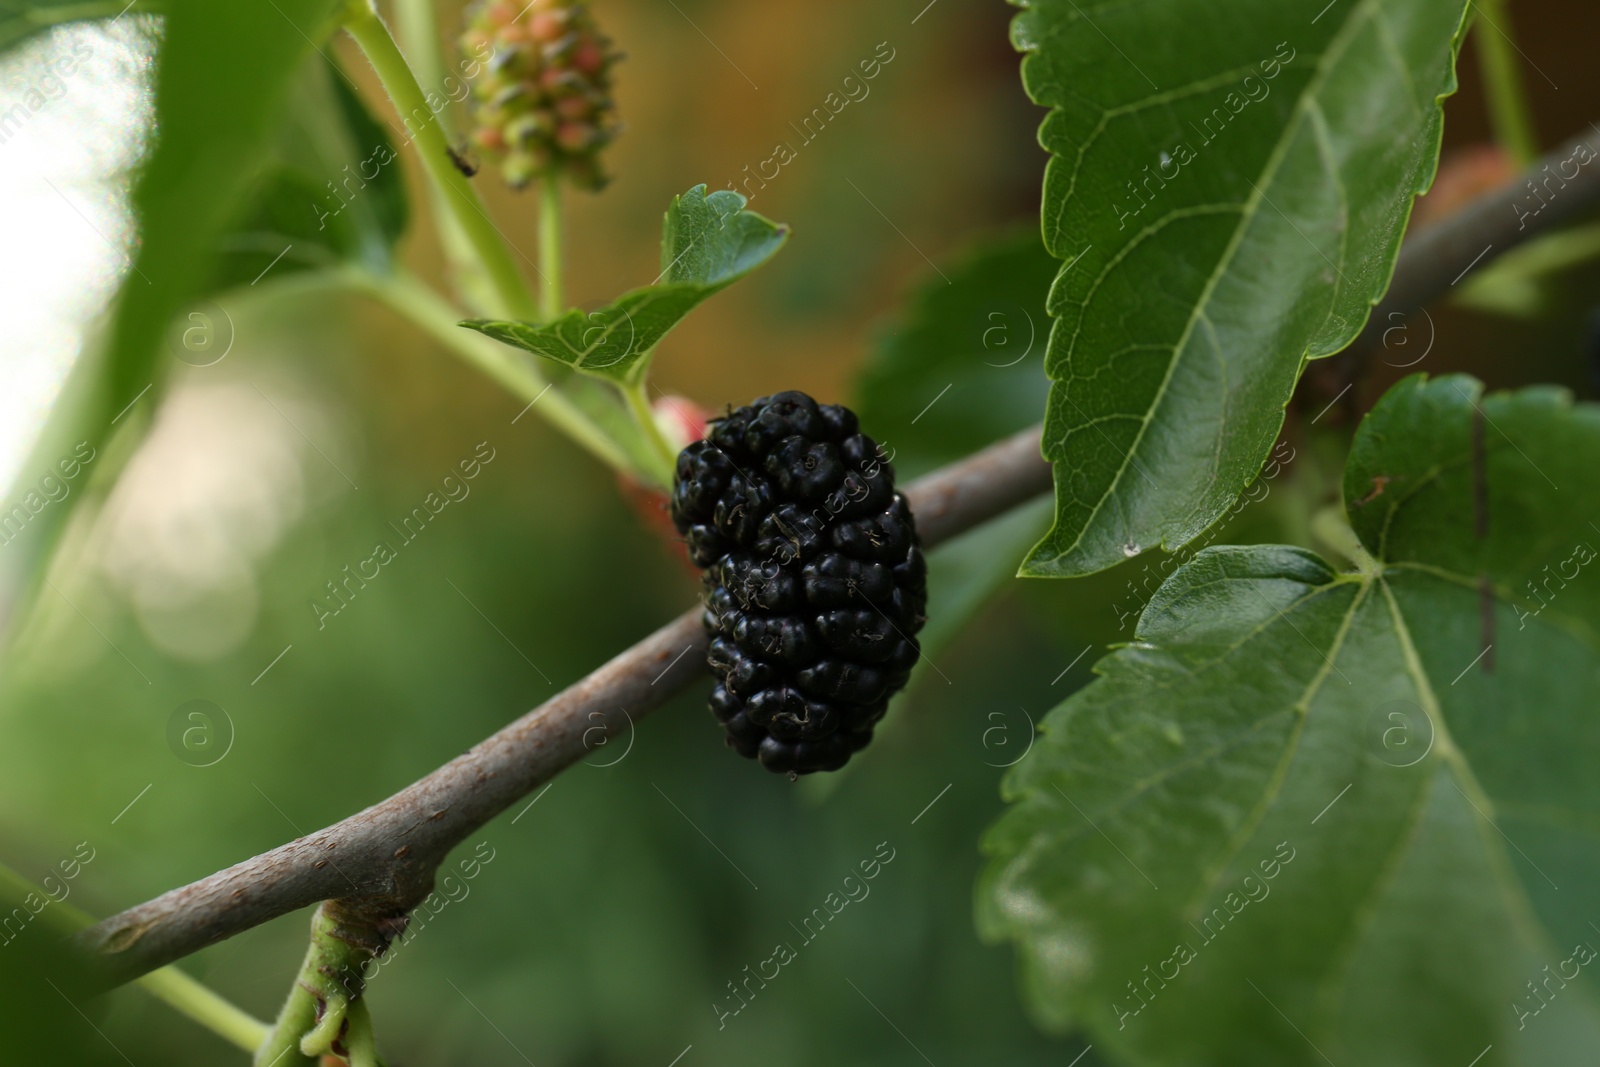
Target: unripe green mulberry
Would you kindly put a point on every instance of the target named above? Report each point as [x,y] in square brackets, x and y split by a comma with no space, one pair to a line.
[543,102]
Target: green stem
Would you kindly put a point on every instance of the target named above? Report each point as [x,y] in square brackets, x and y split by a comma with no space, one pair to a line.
[318,1010]
[281,1048]
[433,148]
[514,370]
[203,1005]
[361,1042]
[169,985]
[639,406]
[551,300]
[421,305]
[416,25]
[1509,112]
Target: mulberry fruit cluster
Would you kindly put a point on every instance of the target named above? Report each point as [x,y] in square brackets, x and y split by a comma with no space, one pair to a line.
[815,585]
[543,102]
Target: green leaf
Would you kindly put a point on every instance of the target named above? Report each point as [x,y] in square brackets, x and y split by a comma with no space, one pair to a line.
[1327,812]
[966,368]
[332,193]
[707,244]
[222,74]
[1228,184]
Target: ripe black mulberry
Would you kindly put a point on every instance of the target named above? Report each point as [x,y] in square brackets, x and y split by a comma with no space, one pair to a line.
[815,584]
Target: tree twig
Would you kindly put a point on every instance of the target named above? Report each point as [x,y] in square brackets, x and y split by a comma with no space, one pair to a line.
[389,852]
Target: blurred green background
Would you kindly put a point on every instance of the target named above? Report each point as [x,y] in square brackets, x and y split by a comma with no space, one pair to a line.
[617,909]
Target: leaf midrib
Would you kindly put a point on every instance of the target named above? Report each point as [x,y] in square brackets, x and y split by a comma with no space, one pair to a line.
[1252,205]
[1518,907]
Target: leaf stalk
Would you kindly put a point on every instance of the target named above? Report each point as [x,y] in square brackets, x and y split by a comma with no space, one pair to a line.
[639,405]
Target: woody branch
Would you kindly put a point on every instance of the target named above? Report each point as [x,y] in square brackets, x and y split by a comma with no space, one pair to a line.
[378,864]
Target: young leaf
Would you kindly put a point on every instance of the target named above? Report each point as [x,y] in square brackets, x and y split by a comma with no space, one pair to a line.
[708,242]
[966,368]
[1313,817]
[1228,184]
